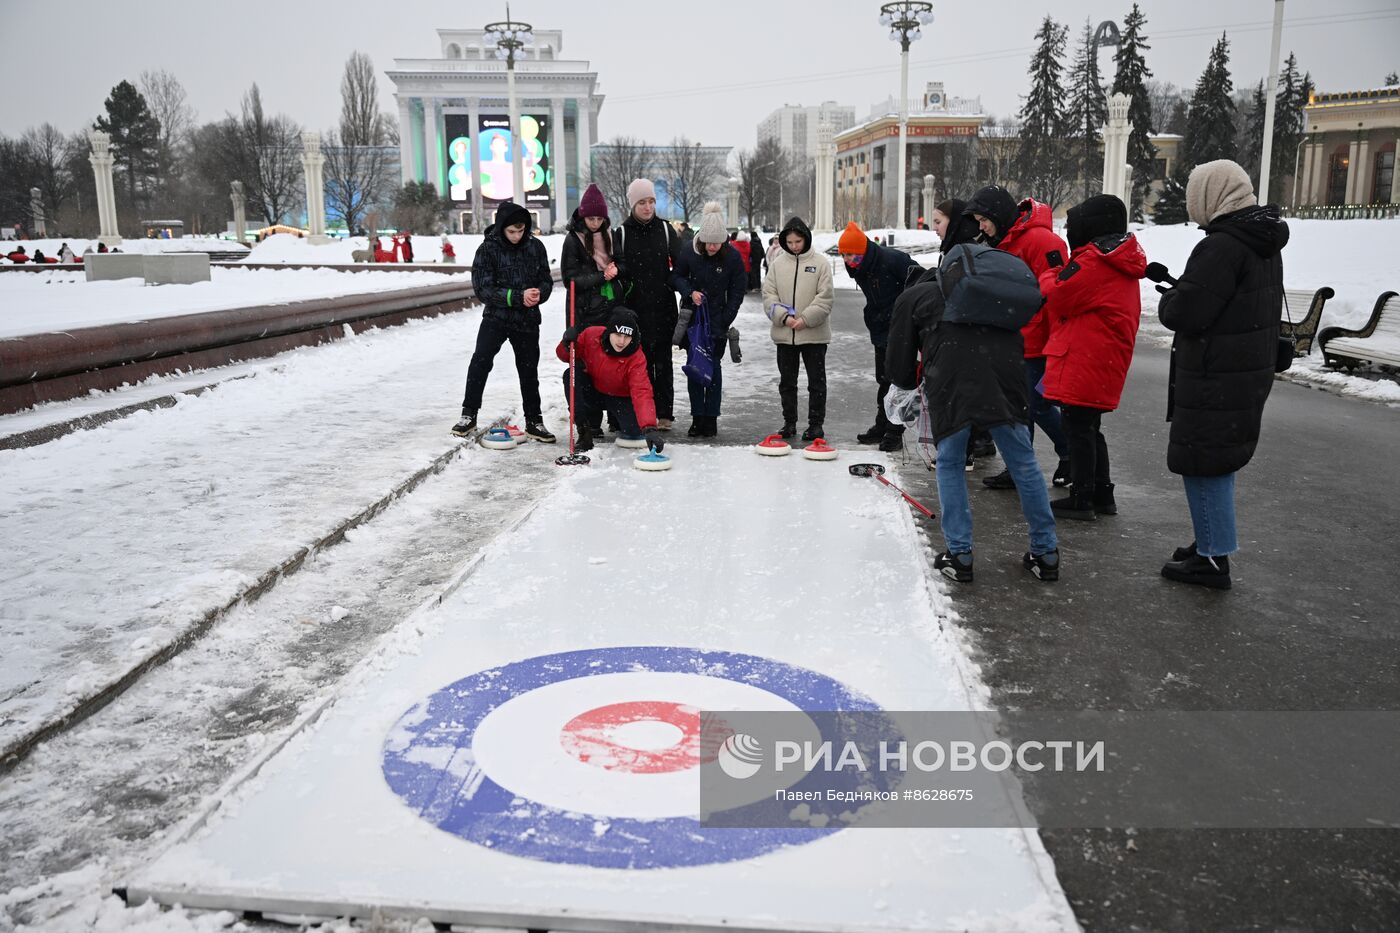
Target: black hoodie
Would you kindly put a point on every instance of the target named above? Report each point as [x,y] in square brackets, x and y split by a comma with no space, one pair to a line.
[1225,311]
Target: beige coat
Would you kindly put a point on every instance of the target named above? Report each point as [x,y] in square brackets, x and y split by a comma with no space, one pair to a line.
[802,282]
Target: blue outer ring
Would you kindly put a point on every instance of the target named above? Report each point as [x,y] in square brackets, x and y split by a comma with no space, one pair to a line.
[492,816]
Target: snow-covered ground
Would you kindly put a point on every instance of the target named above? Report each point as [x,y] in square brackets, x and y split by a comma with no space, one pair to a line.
[284,247]
[189,244]
[42,302]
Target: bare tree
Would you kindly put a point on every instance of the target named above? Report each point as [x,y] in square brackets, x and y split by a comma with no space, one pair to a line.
[692,171]
[770,165]
[616,164]
[750,185]
[168,103]
[47,147]
[267,151]
[1163,98]
[357,164]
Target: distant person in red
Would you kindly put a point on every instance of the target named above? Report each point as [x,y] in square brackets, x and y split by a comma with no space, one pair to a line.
[610,375]
[407,246]
[102,247]
[17,256]
[742,246]
[449,255]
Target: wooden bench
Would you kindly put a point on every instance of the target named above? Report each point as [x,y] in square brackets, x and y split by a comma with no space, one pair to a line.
[1304,308]
[1377,342]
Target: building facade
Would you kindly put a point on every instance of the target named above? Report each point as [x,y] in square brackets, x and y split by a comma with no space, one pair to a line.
[454,125]
[795,127]
[1348,155]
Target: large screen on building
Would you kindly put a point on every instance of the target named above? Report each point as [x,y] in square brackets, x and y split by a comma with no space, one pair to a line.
[491,145]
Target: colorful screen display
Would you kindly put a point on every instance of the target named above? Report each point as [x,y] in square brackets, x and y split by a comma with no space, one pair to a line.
[491,145]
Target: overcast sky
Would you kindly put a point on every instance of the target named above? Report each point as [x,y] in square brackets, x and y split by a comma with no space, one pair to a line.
[709,69]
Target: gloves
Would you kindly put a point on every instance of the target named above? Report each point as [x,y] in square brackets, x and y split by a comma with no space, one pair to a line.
[735,353]
[571,335]
[682,324]
[779,312]
[654,440]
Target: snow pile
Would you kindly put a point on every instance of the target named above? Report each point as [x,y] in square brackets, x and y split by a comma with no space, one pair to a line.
[42,302]
[189,244]
[284,247]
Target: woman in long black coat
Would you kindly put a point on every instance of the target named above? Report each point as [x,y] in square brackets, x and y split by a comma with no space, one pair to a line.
[1224,311]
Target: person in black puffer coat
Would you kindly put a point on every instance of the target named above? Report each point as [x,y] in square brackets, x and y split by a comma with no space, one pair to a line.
[881,272]
[710,268]
[586,261]
[1224,311]
[511,278]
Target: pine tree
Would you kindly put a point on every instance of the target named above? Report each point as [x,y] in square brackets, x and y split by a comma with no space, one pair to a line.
[1250,142]
[1171,203]
[135,137]
[1289,125]
[1043,163]
[1131,79]
[1392,79]
[1211,130]
[1088,111]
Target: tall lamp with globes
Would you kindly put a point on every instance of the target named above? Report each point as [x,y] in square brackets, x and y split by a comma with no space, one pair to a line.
[904,19]
[510,37]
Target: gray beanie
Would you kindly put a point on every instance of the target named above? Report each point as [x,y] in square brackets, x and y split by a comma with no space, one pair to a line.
[712,229]
[1215,188]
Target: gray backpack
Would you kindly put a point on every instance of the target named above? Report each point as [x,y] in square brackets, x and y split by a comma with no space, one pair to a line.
[987,286]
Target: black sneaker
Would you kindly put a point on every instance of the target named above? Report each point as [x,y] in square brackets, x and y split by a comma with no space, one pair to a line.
[814,431]
[1044,567]
[1182,553]
[585,438]
[892,443]
[956,567]
[1061,477]
[539,432]
[466,426]
[1213,572]
[789,429]
[1002,480]
[970,464]
[983,447]
[1103,500]
[872,436]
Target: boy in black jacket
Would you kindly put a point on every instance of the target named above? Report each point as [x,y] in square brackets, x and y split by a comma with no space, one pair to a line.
[510,274]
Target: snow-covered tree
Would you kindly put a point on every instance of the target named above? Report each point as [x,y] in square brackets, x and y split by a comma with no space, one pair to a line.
[1088,111]
[1210,131]
[1045,165]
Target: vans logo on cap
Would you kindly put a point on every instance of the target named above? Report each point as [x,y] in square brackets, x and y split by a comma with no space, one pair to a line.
[622,329]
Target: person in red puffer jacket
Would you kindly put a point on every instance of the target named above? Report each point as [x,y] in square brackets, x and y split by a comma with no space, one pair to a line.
[611,376]
[1025,231]
[1092,309]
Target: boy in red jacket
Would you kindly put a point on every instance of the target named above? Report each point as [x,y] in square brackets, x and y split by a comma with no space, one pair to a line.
[1092,308]
[611,376]
[1024,230]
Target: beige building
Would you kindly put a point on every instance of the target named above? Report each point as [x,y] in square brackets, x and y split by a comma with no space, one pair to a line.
[1348,153]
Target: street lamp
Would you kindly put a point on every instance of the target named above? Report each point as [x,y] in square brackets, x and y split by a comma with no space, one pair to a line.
[510,36]
[904,17]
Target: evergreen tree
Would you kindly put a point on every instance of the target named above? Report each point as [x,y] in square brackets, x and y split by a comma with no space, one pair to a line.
[1088,111]
[1392,79]
[1131,79]
[1289,126]
[1250,142]
[135,138]
[1181,115]
[417,207]
[1043,164]
[1171,203]
[1211,127]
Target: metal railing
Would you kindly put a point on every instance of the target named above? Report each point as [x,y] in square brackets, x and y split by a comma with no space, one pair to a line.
[1344,211]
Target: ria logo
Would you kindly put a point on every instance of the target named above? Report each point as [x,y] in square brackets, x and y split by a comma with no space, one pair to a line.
[740,756]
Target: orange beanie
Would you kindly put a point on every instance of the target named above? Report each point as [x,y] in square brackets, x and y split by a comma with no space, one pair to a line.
[852,240]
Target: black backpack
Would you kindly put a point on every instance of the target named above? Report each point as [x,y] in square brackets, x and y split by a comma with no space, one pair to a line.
[987,286]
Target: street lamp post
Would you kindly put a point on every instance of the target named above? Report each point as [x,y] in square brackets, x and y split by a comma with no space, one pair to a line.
[904,17]
[510,36]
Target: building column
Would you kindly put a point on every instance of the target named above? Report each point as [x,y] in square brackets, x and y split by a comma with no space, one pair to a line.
[1322,168]
[1301,182]
[312,162]
[585,141]
[1350,196]
[1394,177]
[106,196]
[405,140]
[1364,174]
[474,132]
[558,162]
[432,146]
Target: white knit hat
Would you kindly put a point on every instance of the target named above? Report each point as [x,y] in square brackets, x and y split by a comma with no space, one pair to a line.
[639,189]
[712,229]
[1215,188]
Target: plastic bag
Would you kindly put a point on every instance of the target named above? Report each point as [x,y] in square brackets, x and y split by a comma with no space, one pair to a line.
[902,405]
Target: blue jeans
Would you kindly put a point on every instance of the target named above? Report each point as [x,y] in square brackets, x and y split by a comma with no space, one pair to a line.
[956,514]
[1212,503]
[1043,412]
[704,399]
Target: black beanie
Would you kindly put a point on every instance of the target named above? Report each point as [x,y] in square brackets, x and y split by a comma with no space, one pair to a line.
[622,321]
[1098,216]
[995,203]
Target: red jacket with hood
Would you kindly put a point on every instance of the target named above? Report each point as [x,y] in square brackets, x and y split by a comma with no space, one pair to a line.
[623,374]
[1093,307]
[1033,240]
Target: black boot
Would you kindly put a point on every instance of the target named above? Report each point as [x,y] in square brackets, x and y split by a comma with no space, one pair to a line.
[585,438]
[873,435]
[789,429]
[711,426]
[1078,505]
[536,429]
[892,443]
[1002,480]
[1182,553]
[813,432]
[1062,475]
[1103,499]
[696,427]
[1213,572]
[466,426]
